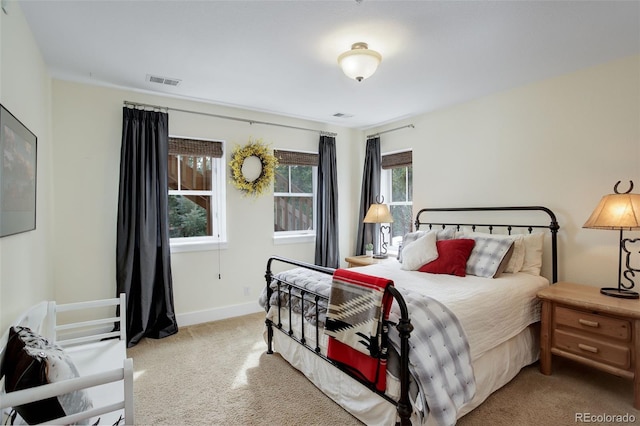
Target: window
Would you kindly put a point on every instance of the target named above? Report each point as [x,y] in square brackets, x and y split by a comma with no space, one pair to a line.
[196,192]
[294,193]
[397,188]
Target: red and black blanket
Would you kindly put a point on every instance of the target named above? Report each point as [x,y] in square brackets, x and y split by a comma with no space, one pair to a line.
[358,306]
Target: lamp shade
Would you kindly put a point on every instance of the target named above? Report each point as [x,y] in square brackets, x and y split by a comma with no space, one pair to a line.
[360,62]
[616,211]
[378,213]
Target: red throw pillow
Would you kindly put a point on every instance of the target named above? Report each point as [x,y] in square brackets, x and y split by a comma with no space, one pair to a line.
[452,257]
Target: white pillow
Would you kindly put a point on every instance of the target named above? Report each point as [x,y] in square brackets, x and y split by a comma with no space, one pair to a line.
[533,253]
[441,234]
[517,256]
[421,251]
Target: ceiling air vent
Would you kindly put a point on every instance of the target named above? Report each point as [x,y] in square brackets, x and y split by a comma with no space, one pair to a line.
[163,80]
[342,115]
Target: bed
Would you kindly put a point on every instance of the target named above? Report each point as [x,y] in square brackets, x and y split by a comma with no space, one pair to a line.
[438,368]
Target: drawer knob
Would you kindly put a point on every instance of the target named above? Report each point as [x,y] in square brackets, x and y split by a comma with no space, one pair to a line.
[588,348]
[588,323]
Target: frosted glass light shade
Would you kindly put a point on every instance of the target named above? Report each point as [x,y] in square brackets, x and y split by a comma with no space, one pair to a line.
[360,62]
[378,213]
[616,211]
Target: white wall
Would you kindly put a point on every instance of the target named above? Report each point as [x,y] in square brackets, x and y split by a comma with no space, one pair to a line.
[25,87]
[87,133]
[561,143]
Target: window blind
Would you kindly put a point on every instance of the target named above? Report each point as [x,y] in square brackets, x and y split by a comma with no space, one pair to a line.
[195,148]
[295,158]
[399,159]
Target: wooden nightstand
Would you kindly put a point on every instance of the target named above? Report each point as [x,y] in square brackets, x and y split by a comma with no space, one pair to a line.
[364,260]
[600,331]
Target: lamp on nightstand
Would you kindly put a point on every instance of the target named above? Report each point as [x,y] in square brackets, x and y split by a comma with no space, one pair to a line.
[619,211]
[379,213]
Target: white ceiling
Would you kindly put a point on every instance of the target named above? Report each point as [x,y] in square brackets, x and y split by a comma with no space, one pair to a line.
[281,56]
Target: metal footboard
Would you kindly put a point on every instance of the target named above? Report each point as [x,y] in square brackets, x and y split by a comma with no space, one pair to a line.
[404,328]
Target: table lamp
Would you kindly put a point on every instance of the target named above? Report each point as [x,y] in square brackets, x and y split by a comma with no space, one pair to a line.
[620,211]
[379,213]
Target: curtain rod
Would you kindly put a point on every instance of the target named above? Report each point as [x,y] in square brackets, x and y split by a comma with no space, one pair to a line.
[226,117]
[390,130]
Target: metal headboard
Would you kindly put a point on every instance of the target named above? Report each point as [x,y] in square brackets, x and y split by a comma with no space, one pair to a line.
[552,227]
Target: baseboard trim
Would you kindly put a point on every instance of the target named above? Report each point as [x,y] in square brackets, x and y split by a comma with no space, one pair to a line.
[215,314]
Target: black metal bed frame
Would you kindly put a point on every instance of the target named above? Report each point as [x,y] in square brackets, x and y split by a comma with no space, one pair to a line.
[404,326]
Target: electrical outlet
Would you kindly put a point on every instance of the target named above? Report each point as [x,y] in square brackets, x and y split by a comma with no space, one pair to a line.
[246,291]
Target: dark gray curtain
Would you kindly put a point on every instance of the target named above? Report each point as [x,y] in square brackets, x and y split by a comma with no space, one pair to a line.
[368,232]
[327,244]
[143,269]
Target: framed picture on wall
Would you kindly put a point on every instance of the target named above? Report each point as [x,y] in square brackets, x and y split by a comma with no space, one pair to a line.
[17,176]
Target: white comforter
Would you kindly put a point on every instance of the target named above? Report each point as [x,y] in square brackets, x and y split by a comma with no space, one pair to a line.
[491,310]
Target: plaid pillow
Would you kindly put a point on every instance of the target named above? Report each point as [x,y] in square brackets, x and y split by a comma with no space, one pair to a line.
[489,257]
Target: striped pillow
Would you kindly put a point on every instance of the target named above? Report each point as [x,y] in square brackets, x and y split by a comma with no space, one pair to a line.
[489,257]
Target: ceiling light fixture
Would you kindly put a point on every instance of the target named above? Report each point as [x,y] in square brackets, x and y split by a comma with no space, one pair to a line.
[360,62]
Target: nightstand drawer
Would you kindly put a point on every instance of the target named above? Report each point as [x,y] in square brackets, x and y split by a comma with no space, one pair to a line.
[614,328]
[582,324]
[606,353]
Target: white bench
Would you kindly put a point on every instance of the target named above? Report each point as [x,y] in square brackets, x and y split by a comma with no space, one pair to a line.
[105,371]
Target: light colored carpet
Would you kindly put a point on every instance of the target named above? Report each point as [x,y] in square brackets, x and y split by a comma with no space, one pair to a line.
[219,374]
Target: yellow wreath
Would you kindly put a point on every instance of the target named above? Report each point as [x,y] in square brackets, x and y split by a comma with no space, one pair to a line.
[267,174]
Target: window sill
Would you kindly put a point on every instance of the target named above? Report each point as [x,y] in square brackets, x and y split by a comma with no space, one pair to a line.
[187,246]
[294,239]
